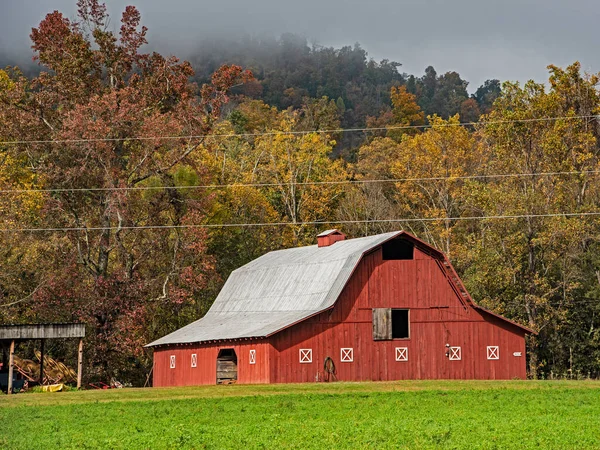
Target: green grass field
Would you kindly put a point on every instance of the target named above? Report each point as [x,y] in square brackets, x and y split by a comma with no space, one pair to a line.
[415,414]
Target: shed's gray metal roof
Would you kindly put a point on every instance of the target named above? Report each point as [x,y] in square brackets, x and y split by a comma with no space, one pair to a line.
[277,290]
[42,331]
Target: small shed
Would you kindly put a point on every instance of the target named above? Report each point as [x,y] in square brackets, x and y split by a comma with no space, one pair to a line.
[383,307]
[10,334]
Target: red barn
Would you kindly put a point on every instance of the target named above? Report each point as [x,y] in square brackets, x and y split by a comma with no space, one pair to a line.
[384,307]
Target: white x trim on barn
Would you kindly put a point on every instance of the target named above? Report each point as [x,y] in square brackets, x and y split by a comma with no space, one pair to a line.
[455,354]
[306,355]
[401,353]
[347,355]
[194,359]
[493,352]
[252,356]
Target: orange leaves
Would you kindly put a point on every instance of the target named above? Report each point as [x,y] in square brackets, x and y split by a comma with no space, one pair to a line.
[92,12]
[214,95]
[406,111]
[50,39]
[131,38]
[229,75]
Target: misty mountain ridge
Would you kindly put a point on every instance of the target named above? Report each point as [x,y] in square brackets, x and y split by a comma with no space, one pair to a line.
[288,70]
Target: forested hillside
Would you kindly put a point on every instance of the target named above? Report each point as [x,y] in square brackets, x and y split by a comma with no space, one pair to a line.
[130,192]
[288,71]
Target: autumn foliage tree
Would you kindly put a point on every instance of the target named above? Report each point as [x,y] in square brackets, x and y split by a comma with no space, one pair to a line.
[531,267]
[107,115]
[287,160]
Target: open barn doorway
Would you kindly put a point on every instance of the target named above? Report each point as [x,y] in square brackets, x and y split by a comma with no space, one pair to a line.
[227,369]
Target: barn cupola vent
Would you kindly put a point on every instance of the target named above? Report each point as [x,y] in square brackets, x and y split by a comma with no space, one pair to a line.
[329,237]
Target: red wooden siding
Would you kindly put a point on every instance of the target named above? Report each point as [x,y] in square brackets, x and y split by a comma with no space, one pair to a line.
[330,239]
[437,318]
[206,371]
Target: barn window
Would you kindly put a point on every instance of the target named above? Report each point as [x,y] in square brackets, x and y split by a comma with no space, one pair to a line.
[306,355]
[397,249]
[493,352]
[454,354]
[401,353]
[400,326]
[172,362]
[252,356]
[390,324]
[194,359]
[346,355]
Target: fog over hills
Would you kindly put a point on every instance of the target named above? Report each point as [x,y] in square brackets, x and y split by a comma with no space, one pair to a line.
[509,40]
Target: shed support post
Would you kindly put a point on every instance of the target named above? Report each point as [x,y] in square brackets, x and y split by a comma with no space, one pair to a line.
[11,361]
[42,363]
[79,363]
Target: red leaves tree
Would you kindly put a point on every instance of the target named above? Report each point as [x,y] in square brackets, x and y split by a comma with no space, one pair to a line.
[107,107]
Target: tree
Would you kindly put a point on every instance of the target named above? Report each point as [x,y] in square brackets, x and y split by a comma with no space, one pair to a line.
[532,265]
[406,113]
[469,111]
[281,166]
[289,162]
[486,95]
[437,159]
[99,95]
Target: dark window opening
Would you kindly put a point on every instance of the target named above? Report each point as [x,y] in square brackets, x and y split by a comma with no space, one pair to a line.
[400,325]
[227,353]
[397,249]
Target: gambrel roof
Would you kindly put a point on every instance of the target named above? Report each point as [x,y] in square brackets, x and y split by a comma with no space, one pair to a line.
[281,288]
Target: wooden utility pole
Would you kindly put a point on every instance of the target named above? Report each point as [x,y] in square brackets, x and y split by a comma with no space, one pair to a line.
[80,363]
[11,361]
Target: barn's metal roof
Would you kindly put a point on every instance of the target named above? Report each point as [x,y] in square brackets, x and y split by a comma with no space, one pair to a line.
[277,290]
[285,287]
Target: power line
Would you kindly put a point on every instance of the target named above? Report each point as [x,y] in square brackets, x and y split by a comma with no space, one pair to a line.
[291,132]
[302,183]
[277,224]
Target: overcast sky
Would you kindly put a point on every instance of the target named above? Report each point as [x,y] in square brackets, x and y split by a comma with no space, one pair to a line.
[480,39]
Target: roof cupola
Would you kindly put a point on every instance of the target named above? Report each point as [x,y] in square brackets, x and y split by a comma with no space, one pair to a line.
[329,237]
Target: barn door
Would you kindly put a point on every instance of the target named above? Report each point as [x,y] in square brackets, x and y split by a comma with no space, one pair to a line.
[227,370]
[382,324]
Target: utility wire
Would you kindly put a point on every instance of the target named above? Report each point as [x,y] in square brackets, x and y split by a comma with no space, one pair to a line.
[275,133]
[302,183]
[277,224]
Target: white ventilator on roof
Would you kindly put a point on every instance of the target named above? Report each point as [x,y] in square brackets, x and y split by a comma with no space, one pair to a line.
[277,290]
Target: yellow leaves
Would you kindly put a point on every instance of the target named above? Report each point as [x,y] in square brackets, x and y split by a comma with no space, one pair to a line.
[5,82]
[284,164]
[258,115]
[406,111]
[376,158]
[18,208]
[428,167]
[289,162]
[575,91]
[242,204]
[445,150]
